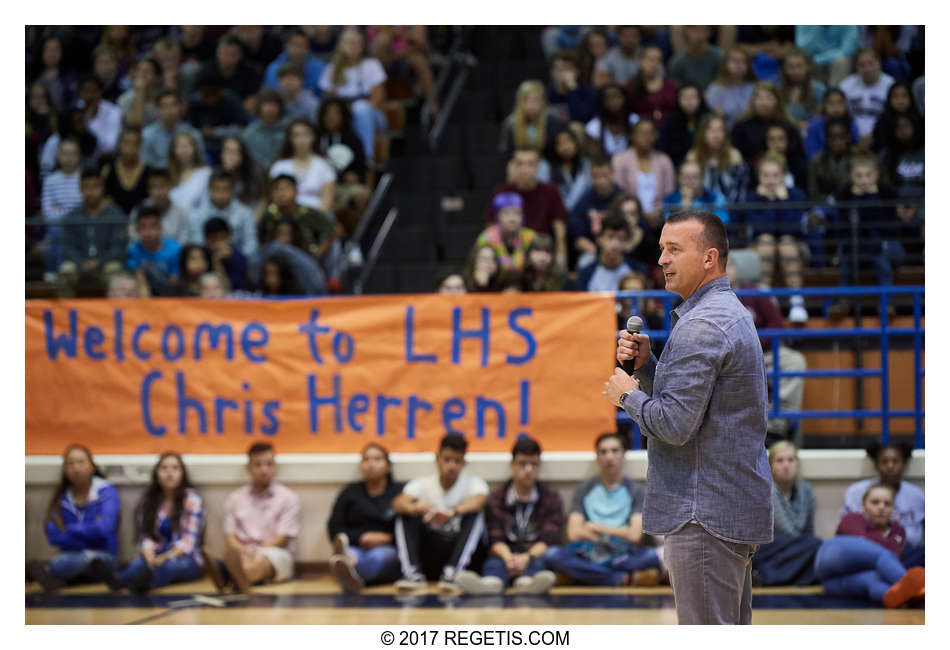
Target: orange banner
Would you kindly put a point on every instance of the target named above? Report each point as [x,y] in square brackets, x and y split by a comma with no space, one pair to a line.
[320,375]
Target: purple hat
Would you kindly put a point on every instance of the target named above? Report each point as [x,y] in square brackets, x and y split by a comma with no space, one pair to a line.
[507,200]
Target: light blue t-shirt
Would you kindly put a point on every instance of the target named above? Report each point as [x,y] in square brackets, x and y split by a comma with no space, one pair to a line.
[608,507]
[165,257]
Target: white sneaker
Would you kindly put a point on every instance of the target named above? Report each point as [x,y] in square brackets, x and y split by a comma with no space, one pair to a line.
[472,583]
[798,314]
[341,543]
[345,573]
[414,582]
[540,583]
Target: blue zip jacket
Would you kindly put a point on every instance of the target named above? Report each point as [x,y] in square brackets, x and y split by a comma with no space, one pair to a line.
[91,527]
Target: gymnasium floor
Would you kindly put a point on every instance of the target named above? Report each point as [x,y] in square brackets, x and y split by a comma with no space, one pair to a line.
[319,601]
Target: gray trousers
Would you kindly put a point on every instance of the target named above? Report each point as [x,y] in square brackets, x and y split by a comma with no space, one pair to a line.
[711,578]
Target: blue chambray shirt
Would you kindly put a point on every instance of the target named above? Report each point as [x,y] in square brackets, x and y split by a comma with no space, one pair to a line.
[703,407]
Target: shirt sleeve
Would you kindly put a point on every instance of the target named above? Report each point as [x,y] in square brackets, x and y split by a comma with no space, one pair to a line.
[415,488]
[676,415]
[373,72]
[230,516]
[288,523]
[577,500]
[852,524]
[190,525]
[326,78]
[476,486]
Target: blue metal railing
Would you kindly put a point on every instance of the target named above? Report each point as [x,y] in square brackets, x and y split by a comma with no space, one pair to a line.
[884,332]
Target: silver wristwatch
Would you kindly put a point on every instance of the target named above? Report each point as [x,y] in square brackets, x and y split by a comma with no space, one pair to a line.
[623,397]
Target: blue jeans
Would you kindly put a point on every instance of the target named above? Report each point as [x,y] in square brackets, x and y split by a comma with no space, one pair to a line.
[377,565]
[367,121]
[68,565]
[495,566]
[848,565]
[184,568]
[564,560]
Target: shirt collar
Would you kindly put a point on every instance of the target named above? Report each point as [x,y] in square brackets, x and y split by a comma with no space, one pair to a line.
[98,483]
[719,284]
[269,492]
[511,497]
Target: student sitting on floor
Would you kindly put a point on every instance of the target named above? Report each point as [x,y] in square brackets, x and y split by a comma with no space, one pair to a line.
[890,461]
[170,520]
[441,524]
[605,527]
[525,517]
[361,525]
[789,558]
[863,560]
[81,521]
[261,521]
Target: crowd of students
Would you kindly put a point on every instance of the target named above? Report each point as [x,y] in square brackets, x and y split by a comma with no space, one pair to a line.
[275,131]
[770,130]
[451,527]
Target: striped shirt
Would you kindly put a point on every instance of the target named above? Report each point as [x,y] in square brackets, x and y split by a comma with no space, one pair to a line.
[60,195]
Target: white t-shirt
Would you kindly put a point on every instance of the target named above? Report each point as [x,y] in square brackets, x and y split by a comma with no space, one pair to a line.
[646,188]
[605,279]
[191,193]
[429,489]
[358,79]
[310,183]
[866,102]
[613,144]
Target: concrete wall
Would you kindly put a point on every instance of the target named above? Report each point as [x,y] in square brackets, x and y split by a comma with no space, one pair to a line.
[317,478]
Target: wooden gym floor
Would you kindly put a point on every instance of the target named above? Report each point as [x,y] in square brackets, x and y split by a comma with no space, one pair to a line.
[320,601]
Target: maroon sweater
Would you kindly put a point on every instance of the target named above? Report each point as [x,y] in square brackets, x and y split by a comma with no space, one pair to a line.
[854,523]
[542,206]
[766,316]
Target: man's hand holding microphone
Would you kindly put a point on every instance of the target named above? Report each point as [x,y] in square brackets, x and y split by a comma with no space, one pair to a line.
[633,351]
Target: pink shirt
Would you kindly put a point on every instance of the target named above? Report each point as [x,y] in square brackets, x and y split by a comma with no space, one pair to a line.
[256,517]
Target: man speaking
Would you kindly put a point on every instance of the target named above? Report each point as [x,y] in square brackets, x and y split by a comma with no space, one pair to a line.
[702,406]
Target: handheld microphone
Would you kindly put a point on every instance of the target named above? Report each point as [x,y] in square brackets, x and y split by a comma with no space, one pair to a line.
[634,325]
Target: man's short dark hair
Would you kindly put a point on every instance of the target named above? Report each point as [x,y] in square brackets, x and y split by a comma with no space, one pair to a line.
[167,93]
[221,174]
[570,56]
[259,448]
[147,212]
[231,39]
[285,177]
[714,232]
[600,161]
[526,447]
[159,172]
[455,442]
[841,122]
[272,96]
[91,79]
[615,222]
[130,129]
[295,31]
[611,434]
[289,69]
[90,172]
[214,225]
